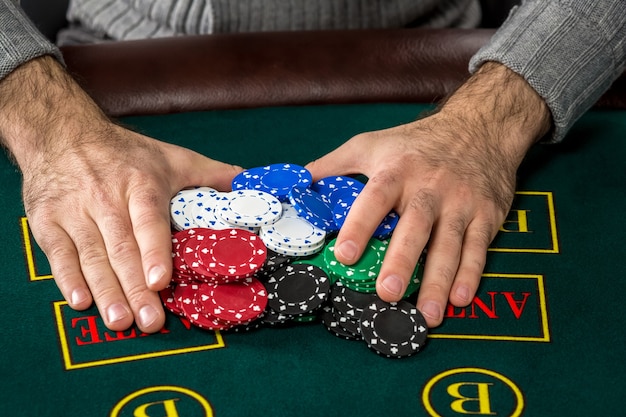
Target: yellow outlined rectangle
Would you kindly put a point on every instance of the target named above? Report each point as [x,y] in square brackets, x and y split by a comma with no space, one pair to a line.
[29,253]
[542,308]
[553,230]
[69,364]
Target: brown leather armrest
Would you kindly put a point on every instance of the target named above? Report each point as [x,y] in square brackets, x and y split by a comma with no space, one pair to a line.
[271,69]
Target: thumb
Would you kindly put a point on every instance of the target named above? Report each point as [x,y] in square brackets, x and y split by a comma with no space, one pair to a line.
[215,174]
[342,161]
[193,169]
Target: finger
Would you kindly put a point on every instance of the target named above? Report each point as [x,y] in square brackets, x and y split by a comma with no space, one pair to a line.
[374,202]
[151,228]
[444,252]
[125,259]
[64,265]
[405,247]
[473,258]
[100,277]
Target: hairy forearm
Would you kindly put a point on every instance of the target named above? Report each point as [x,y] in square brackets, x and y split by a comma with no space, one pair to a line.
[43,111]
[498,103]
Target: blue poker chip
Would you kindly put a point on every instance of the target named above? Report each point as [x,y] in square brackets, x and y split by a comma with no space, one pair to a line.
[387,225]
[340,212]
[313,208]
[384,229]
[335,188]
[277,179]
[240,182]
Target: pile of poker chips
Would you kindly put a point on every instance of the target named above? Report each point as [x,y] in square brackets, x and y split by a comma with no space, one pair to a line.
[263,254]
[213,282]
[394,330]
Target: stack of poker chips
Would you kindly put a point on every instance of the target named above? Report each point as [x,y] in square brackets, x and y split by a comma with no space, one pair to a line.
[213,283]
[263,254]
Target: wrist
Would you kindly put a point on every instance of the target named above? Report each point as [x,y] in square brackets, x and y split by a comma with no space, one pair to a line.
[501,107]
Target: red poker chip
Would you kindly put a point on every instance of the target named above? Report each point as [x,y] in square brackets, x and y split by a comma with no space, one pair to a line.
[185,295]
[193,264]
[179,243]
[178,277]
[229,253]
[167,297]
[236,303]
[183,254]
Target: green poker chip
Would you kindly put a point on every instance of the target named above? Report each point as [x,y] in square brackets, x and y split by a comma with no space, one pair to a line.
[365,270]
[319,261]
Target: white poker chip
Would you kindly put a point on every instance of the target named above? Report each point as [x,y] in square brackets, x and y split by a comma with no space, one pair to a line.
[295,252]
[293,233]
[250,208]
[181,206]
[289,210]
[203,212]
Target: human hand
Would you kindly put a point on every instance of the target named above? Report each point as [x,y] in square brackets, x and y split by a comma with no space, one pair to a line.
[97,200]
[450,176]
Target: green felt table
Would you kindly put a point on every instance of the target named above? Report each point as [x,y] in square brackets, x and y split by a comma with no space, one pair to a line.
[543,337]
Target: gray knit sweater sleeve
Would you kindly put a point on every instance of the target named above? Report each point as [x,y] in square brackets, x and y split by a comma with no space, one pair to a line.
[20,41]
[569,51]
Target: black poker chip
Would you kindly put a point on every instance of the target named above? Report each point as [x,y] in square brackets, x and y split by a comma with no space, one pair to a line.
[297,289]
[273,319]
[348,324]
[330,322]
[246,327]
[348,302]
[273,262]
[394,330]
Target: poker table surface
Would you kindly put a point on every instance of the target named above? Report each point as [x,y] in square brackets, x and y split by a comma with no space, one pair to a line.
[544,336]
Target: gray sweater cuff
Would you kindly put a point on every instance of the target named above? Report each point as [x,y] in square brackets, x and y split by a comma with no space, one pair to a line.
[20,41]
[569,52]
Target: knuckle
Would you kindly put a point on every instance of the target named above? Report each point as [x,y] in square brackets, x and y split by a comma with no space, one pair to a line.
[423,200]
[102,289]
[148,197]
[136,292]
[445,274]
[436,288]
[122,249]
[91,253]
[401,261]
[456,227]
[485,234]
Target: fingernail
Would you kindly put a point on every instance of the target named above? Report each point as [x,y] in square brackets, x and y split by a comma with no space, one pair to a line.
[347,250]
[393,284]
[79,296]
[431,310]
[155,275]
[147,315]
[116,312]
[463,293]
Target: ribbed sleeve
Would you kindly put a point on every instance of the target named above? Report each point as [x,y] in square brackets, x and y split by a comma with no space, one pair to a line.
[19,40]
[569,51]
